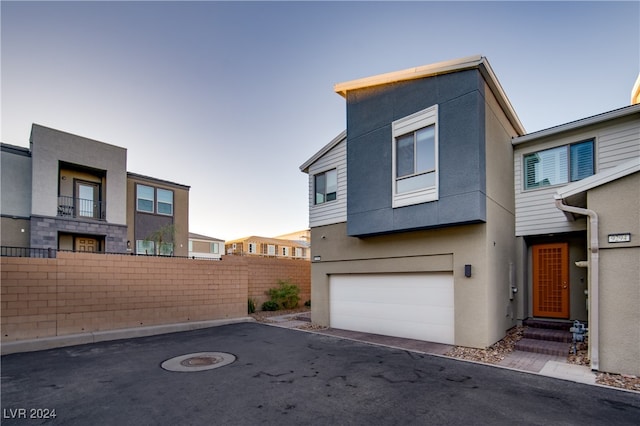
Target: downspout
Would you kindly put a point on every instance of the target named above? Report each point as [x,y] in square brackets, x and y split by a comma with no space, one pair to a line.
[594,313]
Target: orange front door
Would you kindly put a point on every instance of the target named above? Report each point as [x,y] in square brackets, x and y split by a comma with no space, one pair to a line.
[551,280]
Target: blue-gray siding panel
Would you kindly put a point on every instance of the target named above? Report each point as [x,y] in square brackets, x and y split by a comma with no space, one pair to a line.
[462,187]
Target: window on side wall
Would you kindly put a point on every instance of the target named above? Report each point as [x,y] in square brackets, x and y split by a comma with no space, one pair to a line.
[145,198]
[214,248]
[145,247]
[415,158]
[559,165]
[325,186]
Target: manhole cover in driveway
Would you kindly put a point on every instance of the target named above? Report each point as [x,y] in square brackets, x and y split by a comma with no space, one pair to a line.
[198,362]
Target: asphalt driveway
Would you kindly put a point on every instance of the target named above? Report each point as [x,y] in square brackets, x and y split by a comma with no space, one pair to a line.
[284,376]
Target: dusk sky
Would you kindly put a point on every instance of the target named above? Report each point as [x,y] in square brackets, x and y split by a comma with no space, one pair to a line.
[231,98]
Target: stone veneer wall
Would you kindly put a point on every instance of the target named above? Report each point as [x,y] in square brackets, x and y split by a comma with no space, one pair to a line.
[44,232]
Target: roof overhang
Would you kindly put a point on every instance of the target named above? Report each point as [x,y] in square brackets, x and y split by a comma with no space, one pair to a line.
[635,92]
[328,147]
[471,62]
[575,194]
[589,121]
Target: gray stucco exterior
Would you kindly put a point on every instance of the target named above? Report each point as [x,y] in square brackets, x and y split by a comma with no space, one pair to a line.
[462,176]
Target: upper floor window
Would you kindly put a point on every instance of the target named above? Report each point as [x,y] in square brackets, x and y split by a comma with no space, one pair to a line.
[415,158]
[326,186]
[165,202]
[145,198]
[560,165]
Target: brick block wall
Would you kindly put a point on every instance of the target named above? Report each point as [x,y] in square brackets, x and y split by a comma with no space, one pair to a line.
[83,292]
[264,273]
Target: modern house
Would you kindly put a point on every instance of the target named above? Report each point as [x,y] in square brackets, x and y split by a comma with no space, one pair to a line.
[268,247]
[578,231]
[204,247]
[69,192]
[411,216]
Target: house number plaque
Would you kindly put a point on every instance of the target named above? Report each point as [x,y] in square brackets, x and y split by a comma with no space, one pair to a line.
[619,238]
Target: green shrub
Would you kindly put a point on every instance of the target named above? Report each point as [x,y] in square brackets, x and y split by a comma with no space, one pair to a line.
[286,295]
[251,306]
[269,305]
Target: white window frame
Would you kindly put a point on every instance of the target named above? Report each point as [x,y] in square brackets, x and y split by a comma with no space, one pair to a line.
[271,249]
[325,194]
[145,247]
[298,252]
[152,199]
[409,124]
[164,202]
[253,248]
[285,251]
[215,248]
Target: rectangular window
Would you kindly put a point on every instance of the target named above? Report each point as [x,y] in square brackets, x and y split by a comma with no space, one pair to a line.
[326,186]
[252,247]
[145,247]
[165,202]
[285,251]
[214,248]
[298,252]
[145,198]
[560,165]
[415,158]
[271,250]
[190,245]
[166,249]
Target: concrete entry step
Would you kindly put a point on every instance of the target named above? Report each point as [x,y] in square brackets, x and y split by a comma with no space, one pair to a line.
[548,334]
[543,347]
[552,325]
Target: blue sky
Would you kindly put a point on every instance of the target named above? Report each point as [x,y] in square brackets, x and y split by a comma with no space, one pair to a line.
[232,97]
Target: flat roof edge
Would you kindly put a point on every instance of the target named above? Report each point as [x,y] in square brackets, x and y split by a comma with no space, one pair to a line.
[410,73]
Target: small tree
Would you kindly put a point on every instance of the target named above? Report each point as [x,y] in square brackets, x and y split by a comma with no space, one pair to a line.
[162,236]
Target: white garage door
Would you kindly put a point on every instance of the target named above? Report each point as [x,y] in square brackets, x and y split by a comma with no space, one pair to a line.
[414,306]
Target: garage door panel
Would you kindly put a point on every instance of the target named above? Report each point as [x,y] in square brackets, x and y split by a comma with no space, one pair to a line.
[417,306]
[395,312]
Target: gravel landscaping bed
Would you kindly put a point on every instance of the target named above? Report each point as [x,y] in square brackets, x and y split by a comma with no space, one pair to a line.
[491,355]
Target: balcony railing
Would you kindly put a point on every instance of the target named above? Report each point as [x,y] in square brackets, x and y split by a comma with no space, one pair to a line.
[80,208]
[27,252]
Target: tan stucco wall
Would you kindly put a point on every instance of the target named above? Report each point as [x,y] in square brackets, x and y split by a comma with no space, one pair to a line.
[15,232]
[618,207]
[50,146]
[478,322]
[500,229]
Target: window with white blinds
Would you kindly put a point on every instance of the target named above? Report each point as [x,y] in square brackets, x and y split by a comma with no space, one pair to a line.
[560,165]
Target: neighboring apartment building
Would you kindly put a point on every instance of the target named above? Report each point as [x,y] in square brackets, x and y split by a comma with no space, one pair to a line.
[268,247]
[412,219]
[68,192]
[578,231]
[158,216]
[204,247]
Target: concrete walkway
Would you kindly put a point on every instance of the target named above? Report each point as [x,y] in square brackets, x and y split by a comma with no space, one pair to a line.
[546,365]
